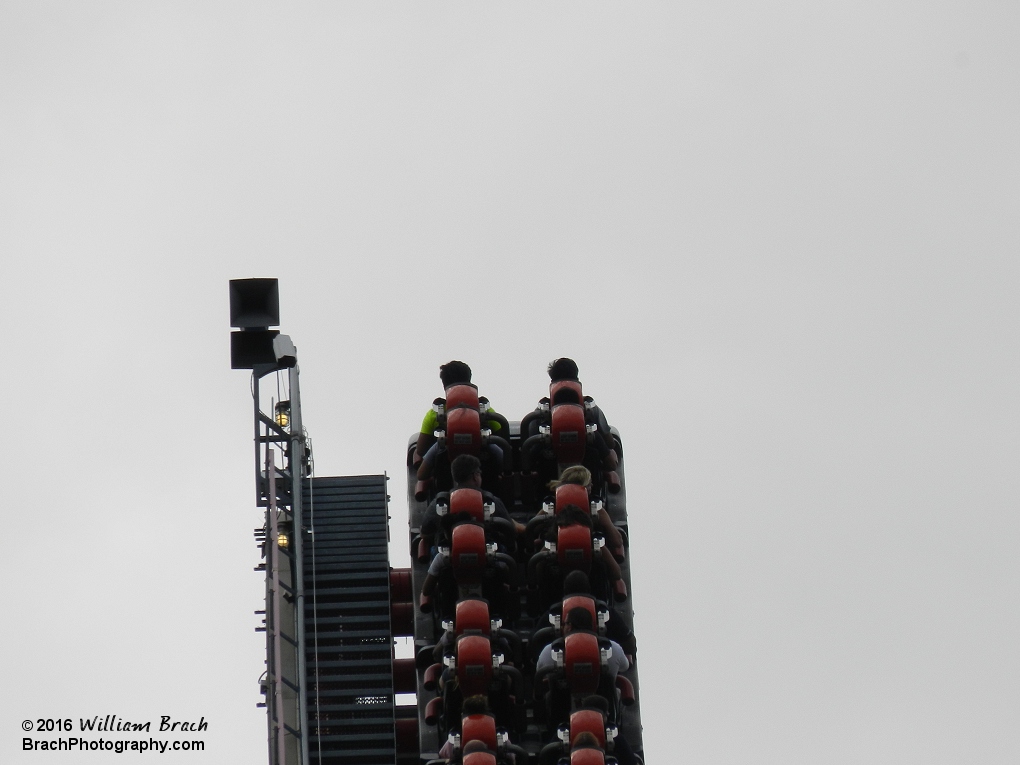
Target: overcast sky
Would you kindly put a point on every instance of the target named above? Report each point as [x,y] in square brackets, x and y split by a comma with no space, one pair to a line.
[780,239]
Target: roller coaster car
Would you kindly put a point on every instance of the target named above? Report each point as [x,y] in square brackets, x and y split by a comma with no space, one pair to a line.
[580,668]
[464,650]
[572,494]
[472,618]
[544,635]
[577,548]
[481,728]
[461,420]
[586,720]
[473,669]
[578,496]
[564,430]
[459,506]
[470,504]
[472,567]
[465,396]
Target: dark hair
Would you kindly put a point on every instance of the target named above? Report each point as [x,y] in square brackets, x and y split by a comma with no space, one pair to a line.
[595,702]
[475,745]
[454,372]
[580,619]
[475,705]
[463,467]
[562,369]
[585,739]
[448,522]
[576,583]
[572,515]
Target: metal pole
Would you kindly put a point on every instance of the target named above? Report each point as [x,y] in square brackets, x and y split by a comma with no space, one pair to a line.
[273,560]
[297,467]
[258,440]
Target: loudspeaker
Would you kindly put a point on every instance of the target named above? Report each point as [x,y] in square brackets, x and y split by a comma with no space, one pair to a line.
[251,347]
[254,303]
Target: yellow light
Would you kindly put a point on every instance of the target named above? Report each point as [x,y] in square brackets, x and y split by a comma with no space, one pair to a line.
[282,540]
[283,414]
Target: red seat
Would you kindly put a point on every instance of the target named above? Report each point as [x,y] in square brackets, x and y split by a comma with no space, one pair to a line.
[587,756]
[569,434]
[582,662]
[472,616]
[574,548]
[468,554]
[478,728]
[463,432]
[626,688]
[474,665]
[590,721]
[572,494]
[579,601]
[565,392]
[462,395]
[468,501]
[433,711]
[430,681]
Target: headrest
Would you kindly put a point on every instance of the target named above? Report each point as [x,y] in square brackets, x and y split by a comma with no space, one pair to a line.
[468,501]
[568,432]
[573,548]
[472,615]
[478,728]
[565,392]
[468,553]
[463,432]
[474,664]
[582,662]
[572,494]
[461,395]
[586,756]
[579,601]
[590,721]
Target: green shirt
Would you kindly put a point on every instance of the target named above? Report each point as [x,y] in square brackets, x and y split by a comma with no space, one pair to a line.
[428,425]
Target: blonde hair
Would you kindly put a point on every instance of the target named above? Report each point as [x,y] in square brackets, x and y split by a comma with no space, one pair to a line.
[575,474]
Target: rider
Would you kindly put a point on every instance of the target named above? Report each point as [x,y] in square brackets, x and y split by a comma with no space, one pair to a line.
[451,373]
[566,369]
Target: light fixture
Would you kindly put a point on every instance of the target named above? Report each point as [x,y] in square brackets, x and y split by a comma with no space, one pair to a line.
[282,416]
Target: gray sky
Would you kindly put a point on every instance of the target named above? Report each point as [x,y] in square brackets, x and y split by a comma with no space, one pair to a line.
[779,238]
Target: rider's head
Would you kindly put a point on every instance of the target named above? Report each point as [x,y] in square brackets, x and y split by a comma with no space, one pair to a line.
[562,369]
[454,372]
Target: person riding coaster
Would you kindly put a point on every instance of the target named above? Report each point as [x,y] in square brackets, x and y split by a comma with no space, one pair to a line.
[470,566]
[588,726]
[466,501]
[472,617]
[577,592]
[474,667]
[567,428]
[577,665]
[461,423]
[569,545]
[476,547]
[574,488]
